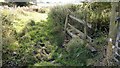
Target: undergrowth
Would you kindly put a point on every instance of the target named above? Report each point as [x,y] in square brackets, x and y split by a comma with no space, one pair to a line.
[35,39]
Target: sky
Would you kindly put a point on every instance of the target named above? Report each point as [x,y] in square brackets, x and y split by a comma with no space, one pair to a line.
[62,1]
[65,1]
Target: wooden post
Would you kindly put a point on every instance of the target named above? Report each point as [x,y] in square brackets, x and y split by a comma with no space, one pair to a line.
[85,26]
[117,37]
[111,35]
[118,13]
[65,26]
[66,22]
[0,42]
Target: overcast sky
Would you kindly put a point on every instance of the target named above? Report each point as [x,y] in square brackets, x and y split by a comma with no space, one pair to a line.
[62,1]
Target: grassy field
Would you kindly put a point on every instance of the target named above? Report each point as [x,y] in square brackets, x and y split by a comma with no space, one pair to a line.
[24,17]
[22,20]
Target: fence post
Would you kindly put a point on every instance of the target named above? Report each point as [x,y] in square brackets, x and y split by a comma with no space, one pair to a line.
[65,26]
[116,50]
[85,27]
[118,14]
[66,22]
[112,28]
[0,42]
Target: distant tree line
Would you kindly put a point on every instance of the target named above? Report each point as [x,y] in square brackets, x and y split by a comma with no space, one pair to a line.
[10,4]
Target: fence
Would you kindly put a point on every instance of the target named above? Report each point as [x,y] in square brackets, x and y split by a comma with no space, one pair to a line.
[117,48]
[73,32]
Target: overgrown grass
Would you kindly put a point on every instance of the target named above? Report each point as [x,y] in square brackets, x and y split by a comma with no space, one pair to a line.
[75,54]
[25,46]
[24,17]
[99,31]
[32,38]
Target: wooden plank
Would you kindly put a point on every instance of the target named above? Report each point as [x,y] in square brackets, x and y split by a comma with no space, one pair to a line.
[80,21]
[81,33]
[117,39]
[90,39]
[117,54]
[72,13]
[91,48]
[89,25]
[118,47]
[66,21]
[70,33]
[116,60]
[85,31]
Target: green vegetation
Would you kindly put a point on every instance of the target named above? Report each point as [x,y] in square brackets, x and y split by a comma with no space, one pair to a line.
[36,38]
[75,55]
[24,37]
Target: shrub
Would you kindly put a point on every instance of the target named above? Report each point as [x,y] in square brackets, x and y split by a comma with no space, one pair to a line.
[9,43]
[77,52]
[74,43]
[56,20]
